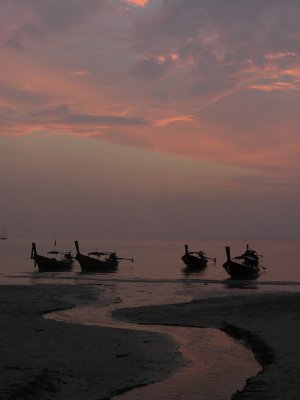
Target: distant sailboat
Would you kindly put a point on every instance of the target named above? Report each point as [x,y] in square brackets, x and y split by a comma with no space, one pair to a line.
[3,236]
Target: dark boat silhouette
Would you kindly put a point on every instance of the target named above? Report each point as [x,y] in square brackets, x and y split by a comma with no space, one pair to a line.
[54,262]
[245,266]
[249,257]
[97,261]
[195,259]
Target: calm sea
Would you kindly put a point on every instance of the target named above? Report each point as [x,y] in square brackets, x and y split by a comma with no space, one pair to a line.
[159,261]
[157,276]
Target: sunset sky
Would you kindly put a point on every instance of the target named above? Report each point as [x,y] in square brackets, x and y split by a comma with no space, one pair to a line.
[150,119]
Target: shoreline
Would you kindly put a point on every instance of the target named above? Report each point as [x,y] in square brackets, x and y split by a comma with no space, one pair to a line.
[47,359]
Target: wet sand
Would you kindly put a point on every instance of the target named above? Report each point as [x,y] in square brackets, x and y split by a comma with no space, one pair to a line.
[46,359]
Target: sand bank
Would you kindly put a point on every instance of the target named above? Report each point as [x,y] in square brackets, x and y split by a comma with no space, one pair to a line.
[268,323]
[46,359]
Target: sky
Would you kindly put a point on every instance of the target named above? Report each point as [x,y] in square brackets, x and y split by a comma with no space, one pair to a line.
[150,119]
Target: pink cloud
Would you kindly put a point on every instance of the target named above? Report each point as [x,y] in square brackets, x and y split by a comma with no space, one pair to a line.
[174,119]
[276,86]
[154,66]
[82,72]
[137,3]
[280,55]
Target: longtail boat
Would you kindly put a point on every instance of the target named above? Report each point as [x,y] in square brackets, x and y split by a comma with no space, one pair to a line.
[55,261]
[245,266]
[195,259]
[97,261]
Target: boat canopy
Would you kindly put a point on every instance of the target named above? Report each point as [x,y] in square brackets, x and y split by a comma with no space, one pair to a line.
[96,253]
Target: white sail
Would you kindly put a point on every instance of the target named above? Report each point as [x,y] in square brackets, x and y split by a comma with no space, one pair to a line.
[3,236]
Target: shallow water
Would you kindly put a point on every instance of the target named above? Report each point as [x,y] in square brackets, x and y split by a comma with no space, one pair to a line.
[204,377]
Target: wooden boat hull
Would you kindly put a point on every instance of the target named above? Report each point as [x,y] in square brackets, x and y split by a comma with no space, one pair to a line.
[46,264]
[90,264]
[193,262]
[241,271]
[51,264]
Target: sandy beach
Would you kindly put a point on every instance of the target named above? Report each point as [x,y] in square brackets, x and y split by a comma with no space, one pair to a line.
[46,359]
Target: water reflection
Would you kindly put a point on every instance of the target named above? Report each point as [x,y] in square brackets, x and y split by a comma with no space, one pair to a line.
[192,271]
[217,367]
[235,284]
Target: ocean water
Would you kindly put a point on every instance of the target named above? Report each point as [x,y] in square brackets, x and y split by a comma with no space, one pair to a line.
[159,261]
[158,276]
